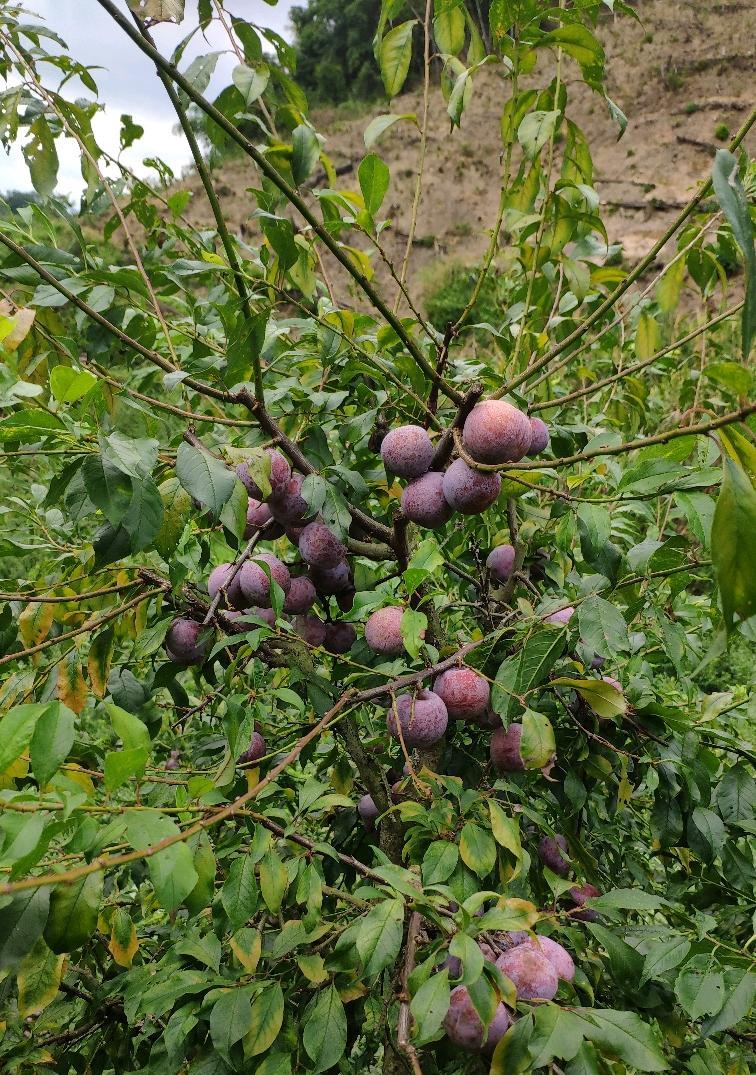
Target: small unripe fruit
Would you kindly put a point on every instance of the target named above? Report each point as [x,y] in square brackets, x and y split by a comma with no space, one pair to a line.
[319,547]
[561,616]
[464,1027]
[339,637]
[550,853]
[422,718]
[255,750]
[254,582]
[311,630]
[497,432]
[383,631]
[505,749]
[424,503]
[332,581]
[258,515]
[280,474]
[288,506]
[301,595]
[470,491]
[368,811]
[183,644]
[464,693]
[529,970]
[218,579]
[173,761]
[407,451]
[558,957]
[539,441]
[501,562]
[579,895]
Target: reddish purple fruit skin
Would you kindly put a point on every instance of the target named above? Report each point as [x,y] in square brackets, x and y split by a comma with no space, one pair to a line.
[301,596]
[254,582]
[258,515]
[540,438]
[579,894]
[424,503]
[339,637]
[367,810]
[407,451]
[613,682]
[550,854]
[319,547]
[505,749]
[345,600]
[464,1026]
[422,717]
[218,579]
[561,616]
[501,562]
[558,957]
[383,631]
[464,693]
[311,630]
[335,580]
[497,432]
[255,751]
[280,473]
[289,507]
[470,491]
[533,976]
[181,642]
[265,614]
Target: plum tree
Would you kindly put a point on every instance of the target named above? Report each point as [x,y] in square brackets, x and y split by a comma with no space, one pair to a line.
[556,954]
[311,630]
[505,749]
[540,438]
[219,579]
[501,562]
[464,692]
[579,895]
[288,506]
[258,515]
[184,642]
[280,475]
[465,1028]
[320,548]
[339,637]
[255,581]
[407,451]
[255,751]
[332,581]
[368,811]
[422,718]
[550,853]
[424,503]
[530,971]
[383,631]
[301,596]
[470,491]
[497,432]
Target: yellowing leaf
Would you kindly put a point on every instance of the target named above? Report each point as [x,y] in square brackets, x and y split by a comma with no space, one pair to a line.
[39,979]
[313,969]
[98,662]
[123,942]
[246,944]
[35,622]
[603,698]
[21,323]
[72,687]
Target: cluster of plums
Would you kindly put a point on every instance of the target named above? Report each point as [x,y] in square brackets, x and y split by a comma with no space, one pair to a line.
[494,432]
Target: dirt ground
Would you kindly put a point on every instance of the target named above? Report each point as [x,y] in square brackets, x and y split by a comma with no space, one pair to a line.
[681,76]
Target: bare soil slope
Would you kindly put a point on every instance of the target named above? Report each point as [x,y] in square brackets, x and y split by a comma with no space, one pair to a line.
[681,76]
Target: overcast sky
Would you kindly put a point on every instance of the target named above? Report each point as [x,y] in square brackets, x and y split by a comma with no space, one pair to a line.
[128,83]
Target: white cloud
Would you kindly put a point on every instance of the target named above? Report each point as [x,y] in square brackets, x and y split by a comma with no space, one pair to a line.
[128,84]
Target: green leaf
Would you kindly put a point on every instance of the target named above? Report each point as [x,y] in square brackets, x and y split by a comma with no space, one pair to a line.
[325,1029]
[603,698]
[394,56]
[737,1005]
[578,41]
[251,82]
[177,508]
[429,1007]
[439,862]
[477,849]
[525,670]
[171,870]
[51,741]
[273,881]
[736,794]
[239,893]
[535,131]
[706,833]
[732,198]
[623,1035]
[557,1034]
[700,990]
[230,1019]
[602,627]
[628,899]
[69,385]
[305,152]
[266,1021]
[129,729]
[505,829]
[374,177]
[380,936]
[107,487]
[732,543]
[16,730]
[73,913]
[204,477]
[21,924]
[664,956]
[145,515]
[38,979]
[381,124]
[426,559]
[537,745]
[158,10]
[512,1055]
[413,627]
[626,963]
[42,157]
[234,513]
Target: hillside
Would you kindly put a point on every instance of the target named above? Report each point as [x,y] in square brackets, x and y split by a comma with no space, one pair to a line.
[681,75]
